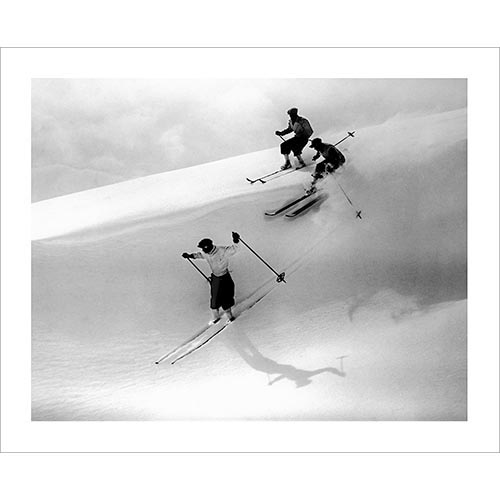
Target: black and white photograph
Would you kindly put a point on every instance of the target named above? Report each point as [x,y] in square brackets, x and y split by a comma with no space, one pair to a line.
[249,250]
[288,249]
[218,250]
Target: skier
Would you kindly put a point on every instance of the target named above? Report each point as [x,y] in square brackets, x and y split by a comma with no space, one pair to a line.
[333,159]
[302,130]
[221,283]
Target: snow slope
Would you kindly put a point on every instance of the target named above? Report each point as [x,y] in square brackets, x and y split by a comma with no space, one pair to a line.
[371,324]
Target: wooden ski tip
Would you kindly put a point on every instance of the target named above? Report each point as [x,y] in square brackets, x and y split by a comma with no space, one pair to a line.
[253,181]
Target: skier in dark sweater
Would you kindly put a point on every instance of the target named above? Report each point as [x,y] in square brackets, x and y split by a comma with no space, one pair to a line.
[221,283]
[333,159]
[302,130]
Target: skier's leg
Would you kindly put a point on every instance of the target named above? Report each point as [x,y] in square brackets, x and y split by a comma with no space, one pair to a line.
[297,147]
[312,188]
[287,163]
[215,285]
[227,296]
[317,175]
[229,314]
[301,161]
[215,316]
[286,149]
[331,166]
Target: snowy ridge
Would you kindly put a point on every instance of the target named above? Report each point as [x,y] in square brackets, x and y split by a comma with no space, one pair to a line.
[178,190]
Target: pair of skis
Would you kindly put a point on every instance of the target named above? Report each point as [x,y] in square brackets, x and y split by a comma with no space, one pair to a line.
[193,344]
[275,174]
[204,336]
[289,171]
[316,197]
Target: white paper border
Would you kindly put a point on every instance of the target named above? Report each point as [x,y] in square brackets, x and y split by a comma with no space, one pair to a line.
[479,433]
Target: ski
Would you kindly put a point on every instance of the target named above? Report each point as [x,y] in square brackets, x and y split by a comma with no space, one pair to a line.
[252,181]
[303,208]
[198,334]
[261,179]
[223,327]
[284,172]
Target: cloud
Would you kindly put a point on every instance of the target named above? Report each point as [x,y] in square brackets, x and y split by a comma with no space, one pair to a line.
[172,142]
[132,128]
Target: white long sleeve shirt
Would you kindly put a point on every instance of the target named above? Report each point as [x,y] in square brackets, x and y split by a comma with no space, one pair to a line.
[218,258]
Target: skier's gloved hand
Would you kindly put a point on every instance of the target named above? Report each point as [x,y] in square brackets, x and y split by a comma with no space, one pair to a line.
[236,237]
[278,133]
[315,157]
[187,255]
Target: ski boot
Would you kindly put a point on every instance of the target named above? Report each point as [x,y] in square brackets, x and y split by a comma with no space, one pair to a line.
[215,317]
[286,166]
[311,190]
[229,315]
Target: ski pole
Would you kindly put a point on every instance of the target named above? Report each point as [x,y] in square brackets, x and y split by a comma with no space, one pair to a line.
[198,269]
[280,277]
[349,134]
[358,212]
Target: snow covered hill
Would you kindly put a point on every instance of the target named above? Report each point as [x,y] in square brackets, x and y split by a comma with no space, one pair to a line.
[371,324]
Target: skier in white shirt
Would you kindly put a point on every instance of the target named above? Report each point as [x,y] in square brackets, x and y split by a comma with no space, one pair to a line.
[221,283]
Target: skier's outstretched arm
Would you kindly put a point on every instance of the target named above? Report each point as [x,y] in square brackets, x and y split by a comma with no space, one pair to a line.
[195,255]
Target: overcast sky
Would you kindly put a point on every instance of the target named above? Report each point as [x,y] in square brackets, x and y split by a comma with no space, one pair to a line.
[89,133]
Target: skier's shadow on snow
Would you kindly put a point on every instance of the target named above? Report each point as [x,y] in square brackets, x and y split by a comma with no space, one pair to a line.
[260,363]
